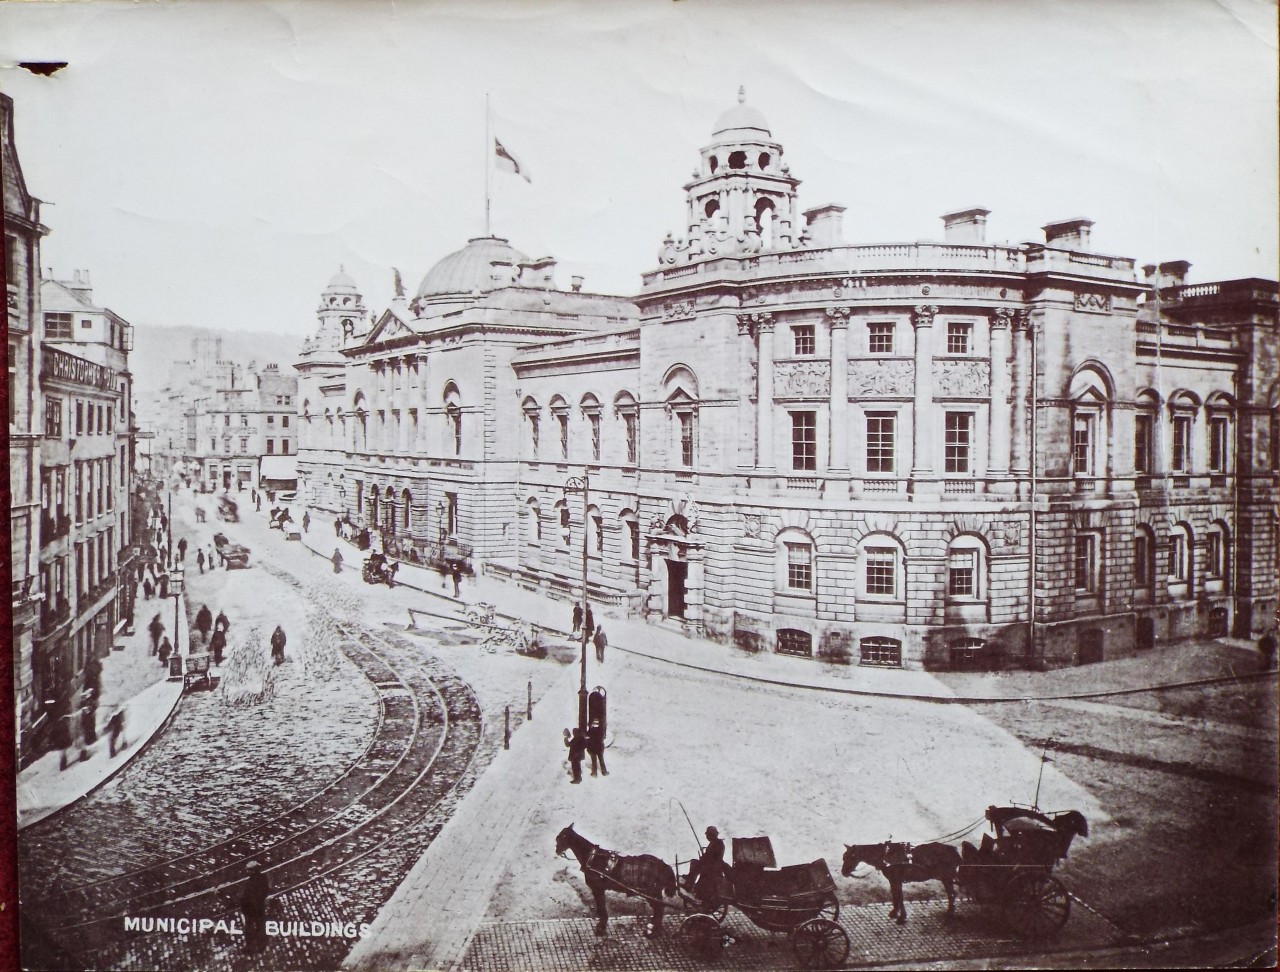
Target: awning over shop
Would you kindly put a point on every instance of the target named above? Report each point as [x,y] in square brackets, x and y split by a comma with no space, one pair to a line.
[278,469]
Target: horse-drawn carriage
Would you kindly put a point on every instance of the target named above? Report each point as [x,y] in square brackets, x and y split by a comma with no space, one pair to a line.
[197,672]
[377,569]
[798,900]
[1012,872]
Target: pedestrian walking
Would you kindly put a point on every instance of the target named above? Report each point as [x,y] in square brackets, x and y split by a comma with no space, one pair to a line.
[166,650]
[577,618]
[63,738]
[595,747]
[200,560]
[253,905]
[115,732]
[218,645]
[337,560]
[221,622]
[182,549]
[306,521]
[88,718]
[163,586]
[148,591]
[277,645]
[456,574]
[257,504]
[577,746]
[204,621]
[589,623]
[337,527]
[209,558]
[601,642]
[156,627]
[1267,649]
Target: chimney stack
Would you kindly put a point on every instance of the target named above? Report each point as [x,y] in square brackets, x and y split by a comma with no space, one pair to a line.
[575,284]
[825,224]
[965,226]
[1174,273]
[1068,234]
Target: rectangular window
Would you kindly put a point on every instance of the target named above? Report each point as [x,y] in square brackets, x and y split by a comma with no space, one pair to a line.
[284,447]
[793,641]
[271,446]
[880,652]
[1142,444]
[958,335]
[563,421]
[802,338]
[594,419]
[271,420]
[962,574]
[13,381]
[57,327]
[959,437]
[881,430]
[1213,555]
[633,529]
[451,513]
[799,567]
[534,433]
[880,338]
[244,444]
[111,414]
[881,571]
[92,411]
[686,439]
[85,323]
[213,445]
[79,417]
[804,440]
[1181,443]
[226,420]
[284,421]
[1218,444]
[244,420]
[1082,446]
[1086,558]
[629,420]
[53,418]
[1142,560]
[226,446]
[597,532]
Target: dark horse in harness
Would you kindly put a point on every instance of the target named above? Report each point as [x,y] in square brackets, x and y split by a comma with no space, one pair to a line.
[1025,835]
[642,876]
[904,864]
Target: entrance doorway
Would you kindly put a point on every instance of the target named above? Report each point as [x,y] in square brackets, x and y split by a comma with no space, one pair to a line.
[226,479]
[677,573]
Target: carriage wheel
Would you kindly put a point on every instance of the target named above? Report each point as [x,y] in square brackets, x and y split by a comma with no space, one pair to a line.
[820,944]
[830,909]
[1036,905]
[701,937]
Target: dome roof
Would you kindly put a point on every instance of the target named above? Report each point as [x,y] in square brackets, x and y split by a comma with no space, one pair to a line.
[741,117]
[342,282]
[469,269]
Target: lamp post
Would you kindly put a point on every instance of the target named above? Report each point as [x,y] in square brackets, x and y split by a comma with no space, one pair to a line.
[583,483]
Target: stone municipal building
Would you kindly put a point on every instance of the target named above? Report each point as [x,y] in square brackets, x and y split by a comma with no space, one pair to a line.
[890,454]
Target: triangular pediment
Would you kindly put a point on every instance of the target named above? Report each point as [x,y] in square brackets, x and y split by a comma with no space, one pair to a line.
[388,327]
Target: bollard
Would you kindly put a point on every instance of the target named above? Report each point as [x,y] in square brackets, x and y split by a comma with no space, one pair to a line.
[528,708]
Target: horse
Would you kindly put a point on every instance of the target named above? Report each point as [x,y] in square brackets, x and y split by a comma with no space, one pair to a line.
[902,864]
[642,876]
[1027,836]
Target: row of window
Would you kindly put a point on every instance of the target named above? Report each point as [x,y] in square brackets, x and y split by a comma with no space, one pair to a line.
[882,338]
[1181,444]
[244,446]
[595,540]
[90,418]
[89,493]
[394,513]
[60,326]
[876,651]
[244,418]
[1180,564]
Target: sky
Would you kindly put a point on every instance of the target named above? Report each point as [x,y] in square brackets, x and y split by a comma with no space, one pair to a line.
[214,163]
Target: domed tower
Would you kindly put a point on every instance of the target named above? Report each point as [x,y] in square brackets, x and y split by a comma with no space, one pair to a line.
[743,192]
[341,312]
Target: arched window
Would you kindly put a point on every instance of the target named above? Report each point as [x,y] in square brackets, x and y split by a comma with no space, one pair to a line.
[680,385]
[453,416]
[880,652]
[632,524]
[1220,409]
[590,406]
[1181,561]
[360,427]
[562,518]
[534,513]
[533,415]
[560,410]
[373,505]
[1216,555]
[882,568]
[711,207]
[967,569]
[406,498]
[597,530]
[967,654]
[1144,558]
[1144,433]
[1090,415]
[764,220]
[1183,407]
[793,641]
[628,411]
[794,562]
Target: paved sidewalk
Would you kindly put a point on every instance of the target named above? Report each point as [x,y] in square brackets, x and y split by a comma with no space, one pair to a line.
[44,788]
[665,641]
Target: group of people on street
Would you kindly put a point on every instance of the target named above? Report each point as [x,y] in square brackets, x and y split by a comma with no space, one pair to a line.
[213,631]
[582,745]
[584,622]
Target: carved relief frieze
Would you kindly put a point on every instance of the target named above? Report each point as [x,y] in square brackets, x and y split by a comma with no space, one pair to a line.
[881,379]
[751,523]
[962,379]
[680,310]
[1093,303]
[802,379]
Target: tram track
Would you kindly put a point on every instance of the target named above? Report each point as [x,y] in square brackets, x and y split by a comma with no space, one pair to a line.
[428,730]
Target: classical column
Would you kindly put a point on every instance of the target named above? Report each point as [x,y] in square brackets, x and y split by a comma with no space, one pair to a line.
[1021,462]
[998,430]
[924,442]
[746,420]
[764,391]
[839,320]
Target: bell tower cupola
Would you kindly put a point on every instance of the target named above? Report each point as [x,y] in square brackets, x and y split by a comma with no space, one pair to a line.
[742,197]
[341,312]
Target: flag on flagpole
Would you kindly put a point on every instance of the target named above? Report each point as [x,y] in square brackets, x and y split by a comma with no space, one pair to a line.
[507,162]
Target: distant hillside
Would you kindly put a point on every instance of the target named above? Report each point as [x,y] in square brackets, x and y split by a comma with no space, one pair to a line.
[156,348]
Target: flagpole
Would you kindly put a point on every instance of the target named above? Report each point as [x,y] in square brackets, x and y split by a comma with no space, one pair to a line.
[488,161]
